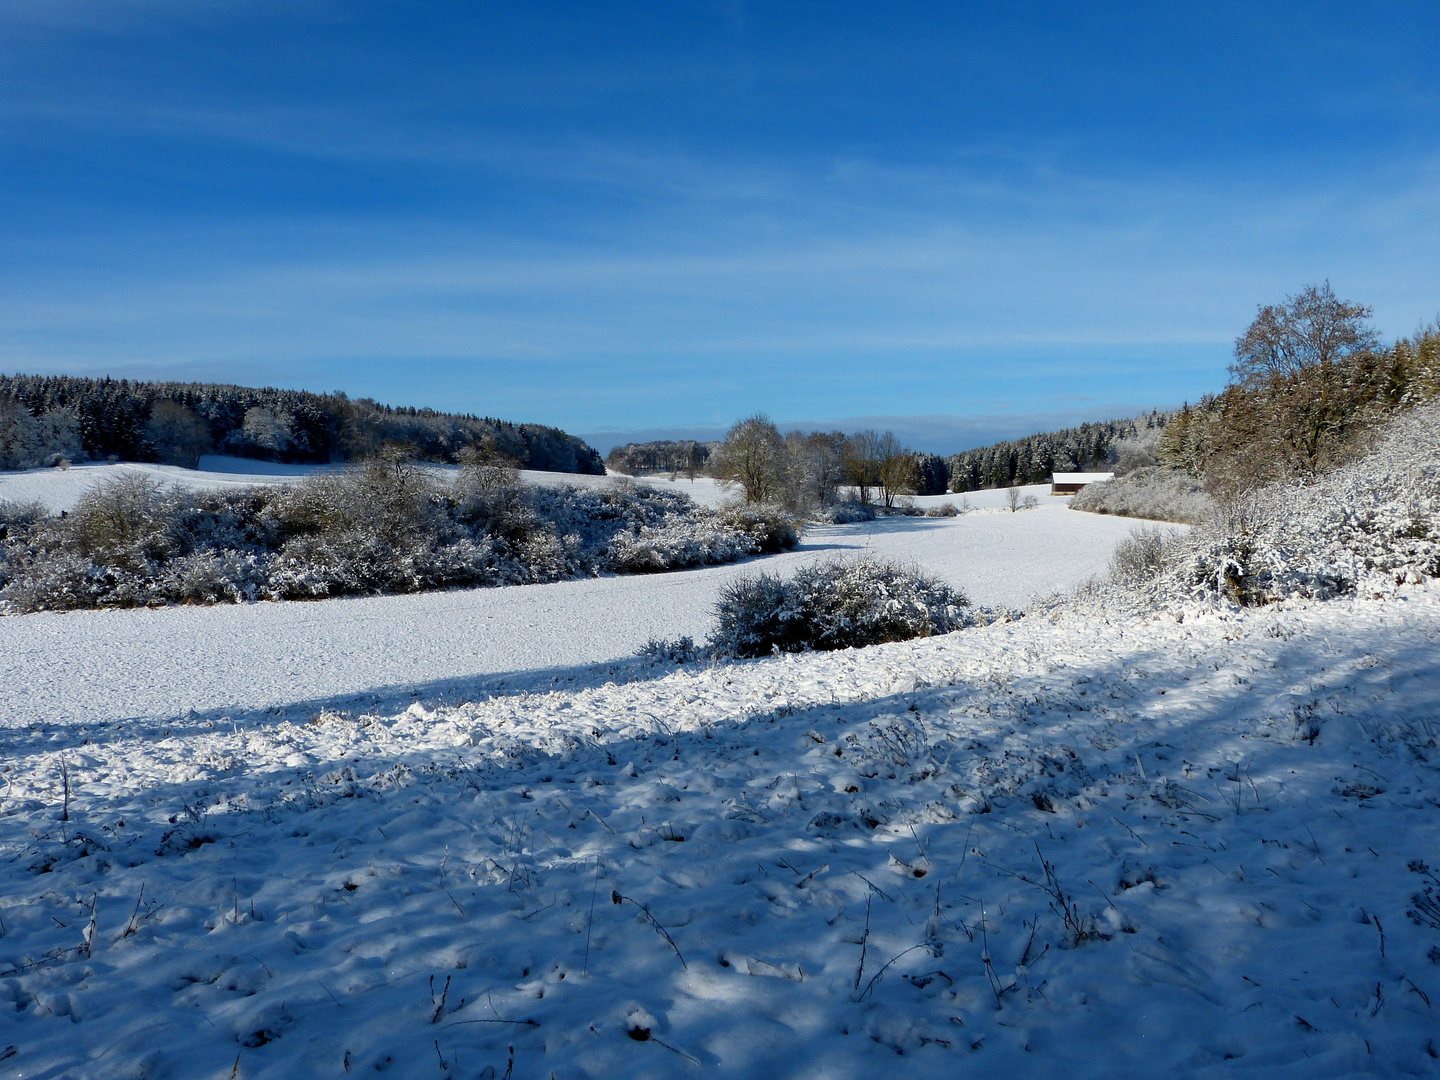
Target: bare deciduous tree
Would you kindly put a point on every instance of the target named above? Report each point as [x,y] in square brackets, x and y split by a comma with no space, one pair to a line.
[485,469]
[895,471]
[862,457]
[1311,329]
[753,458]
[817,465]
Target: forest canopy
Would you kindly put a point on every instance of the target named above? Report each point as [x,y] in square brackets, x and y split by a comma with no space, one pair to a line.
[48,418]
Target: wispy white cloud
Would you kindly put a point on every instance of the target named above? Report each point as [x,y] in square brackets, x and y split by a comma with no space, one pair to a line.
[656,274]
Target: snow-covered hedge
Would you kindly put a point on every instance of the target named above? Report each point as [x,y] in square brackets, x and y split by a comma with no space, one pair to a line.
[834,605]
[1148,492]
[387,527]
[845,513]
[1367,527]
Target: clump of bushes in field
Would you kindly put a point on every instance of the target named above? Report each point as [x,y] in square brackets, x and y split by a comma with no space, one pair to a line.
[1368,526]
[834,605]
[1148,492]
[387,526]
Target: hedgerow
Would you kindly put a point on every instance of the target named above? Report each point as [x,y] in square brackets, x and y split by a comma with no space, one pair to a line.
[385,527]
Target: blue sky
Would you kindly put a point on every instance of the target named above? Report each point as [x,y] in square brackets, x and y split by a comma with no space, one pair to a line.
[958,220]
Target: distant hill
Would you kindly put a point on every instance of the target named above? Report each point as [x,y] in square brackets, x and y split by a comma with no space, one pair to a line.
[47,417]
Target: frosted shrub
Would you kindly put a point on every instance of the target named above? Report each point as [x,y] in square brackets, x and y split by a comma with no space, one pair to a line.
[547,557]
[211,577]
[17,516]
[382,528]
[1148,492]
[126,521]
[59,582]
[845,513]
[834,605]
[1139,558]
[700,537]
[680,651]
[679,542]
[394,501]
[767,524]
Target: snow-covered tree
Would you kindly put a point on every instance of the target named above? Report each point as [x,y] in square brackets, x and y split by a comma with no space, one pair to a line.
[30,442]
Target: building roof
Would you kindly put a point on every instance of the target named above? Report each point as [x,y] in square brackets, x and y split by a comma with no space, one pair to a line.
[1081,477]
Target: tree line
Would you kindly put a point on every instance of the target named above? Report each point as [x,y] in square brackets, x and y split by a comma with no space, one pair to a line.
[685,456]
[806,471]
[1309,382]
[48,418]
[1029,460]
[1033,459]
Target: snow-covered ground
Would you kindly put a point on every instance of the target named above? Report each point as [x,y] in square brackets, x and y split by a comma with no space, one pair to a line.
[1070,847]
[61,489]
[112,664]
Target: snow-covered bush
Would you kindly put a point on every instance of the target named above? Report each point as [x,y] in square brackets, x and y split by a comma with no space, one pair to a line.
[679,542]
[834,605]
[211,577]
[1148,492]
[681,651]
[1139,558]
[1368,526]
[700,537]
[767,525]
[18,515]
[845,513]
[384,527]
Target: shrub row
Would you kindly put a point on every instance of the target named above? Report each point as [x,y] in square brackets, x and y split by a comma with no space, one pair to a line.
[1367,527]
[1148,492]
[386,527]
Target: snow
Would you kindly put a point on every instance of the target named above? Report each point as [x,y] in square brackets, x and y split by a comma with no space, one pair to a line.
[819,865]
[470,835]
[61,489]
[112,664]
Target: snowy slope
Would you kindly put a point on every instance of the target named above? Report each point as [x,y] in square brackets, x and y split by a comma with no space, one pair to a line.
[61,489]
[112,664]
[825,865]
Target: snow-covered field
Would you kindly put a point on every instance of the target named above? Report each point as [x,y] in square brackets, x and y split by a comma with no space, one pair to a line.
[810,866]
[112,664]
[470,835]
[61,489]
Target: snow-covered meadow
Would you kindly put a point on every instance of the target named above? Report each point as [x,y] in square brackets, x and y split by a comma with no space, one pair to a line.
[825,865]
[61,489]
[469,834]
[298,656]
